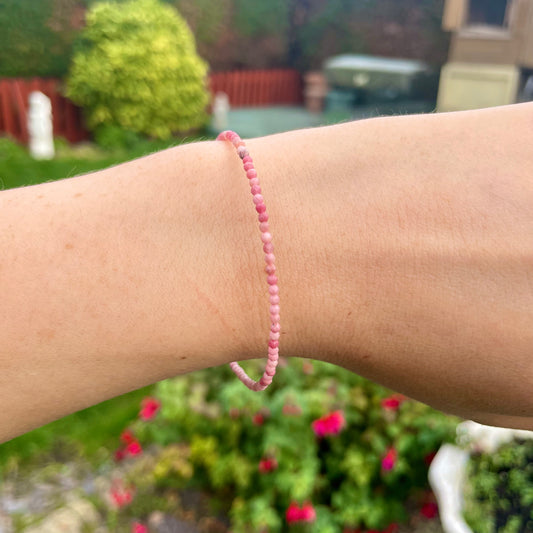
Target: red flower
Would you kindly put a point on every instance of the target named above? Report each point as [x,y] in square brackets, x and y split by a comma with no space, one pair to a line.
[429,458]
[120,495]
[331,424]
[267,465]
[137,527]
[429,510]
[389,460]
[258,419]
[149,408]
[127,436]
[296,514]
[120,454]
[392,403]
[133,448]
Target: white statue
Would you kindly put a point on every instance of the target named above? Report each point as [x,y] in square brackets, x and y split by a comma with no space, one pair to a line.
[40,126]
[221,109]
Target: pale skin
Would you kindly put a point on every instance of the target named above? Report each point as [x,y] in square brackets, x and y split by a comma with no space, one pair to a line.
[404,247]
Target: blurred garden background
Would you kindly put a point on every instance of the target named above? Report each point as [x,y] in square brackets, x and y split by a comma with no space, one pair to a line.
[322,450]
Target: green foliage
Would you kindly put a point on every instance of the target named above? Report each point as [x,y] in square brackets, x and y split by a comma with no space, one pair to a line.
[35,38]
[499,490]
[221,431]
[136,68]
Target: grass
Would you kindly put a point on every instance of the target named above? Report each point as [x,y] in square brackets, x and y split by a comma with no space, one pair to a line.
[95,431]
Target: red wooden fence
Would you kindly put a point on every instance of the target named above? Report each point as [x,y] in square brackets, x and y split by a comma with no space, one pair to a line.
[244,88]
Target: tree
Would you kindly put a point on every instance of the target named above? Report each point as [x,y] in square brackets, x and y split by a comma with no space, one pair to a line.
[136,67]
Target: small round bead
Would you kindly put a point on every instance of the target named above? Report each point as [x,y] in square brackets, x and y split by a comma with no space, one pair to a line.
[274,299]
[247,159]
[268,247]
[239,144]
[274,309]
[252,173]
[254,181]
[272,279]
[273,344]
[270,371]
[258,199]
[275,328]
[263,217]
[270,258]
[266,380]
[255,189]
[270,269]
[274,336]
[260,208]
[274,319]
[265,237]
[248,166]
[264,227]
[273,289]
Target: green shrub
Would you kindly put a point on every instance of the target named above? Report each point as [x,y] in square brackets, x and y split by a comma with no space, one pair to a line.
[257,454]
[136,68]
[499,490]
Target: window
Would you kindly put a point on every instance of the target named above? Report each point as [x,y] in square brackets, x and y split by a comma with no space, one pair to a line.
[488,12]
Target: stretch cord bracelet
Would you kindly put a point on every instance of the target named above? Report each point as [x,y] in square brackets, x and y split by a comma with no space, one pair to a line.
[270,268]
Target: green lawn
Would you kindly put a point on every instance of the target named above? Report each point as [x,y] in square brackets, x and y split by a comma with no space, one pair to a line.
[91,431]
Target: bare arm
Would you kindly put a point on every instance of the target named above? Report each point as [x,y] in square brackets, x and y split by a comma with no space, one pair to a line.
[404,247]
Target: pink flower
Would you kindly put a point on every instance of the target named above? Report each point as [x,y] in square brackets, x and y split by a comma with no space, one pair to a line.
[267,465]
[291,410]
[137,527]
[296,514]
[120,495]
[389,460]
[392,403]
[429,510]
[331,424]
[149,408]
[133,448]
[127,436]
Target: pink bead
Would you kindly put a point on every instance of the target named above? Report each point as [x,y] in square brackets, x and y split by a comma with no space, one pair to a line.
[274,299]
[258,199]
[268,248]
[270,269]
[251,173]
[263,217]
[247,159]
[248,166]
[273,344]
[265,237]
[274,336]
[264,227]
[270,258]
[274,319]
[274,309]
[275,328]
[255,190]
[270,371]
[272,279]
[254,181]
[260,208]
[239,143]
[266,380]
[273,289]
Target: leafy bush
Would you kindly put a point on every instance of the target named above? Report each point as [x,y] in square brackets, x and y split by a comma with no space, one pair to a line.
[136,68]
[322,448]
[499,490]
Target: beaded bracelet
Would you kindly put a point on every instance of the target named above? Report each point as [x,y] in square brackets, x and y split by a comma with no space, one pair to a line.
[272,279]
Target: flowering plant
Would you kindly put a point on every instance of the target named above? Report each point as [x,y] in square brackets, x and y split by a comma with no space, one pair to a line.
[321,450]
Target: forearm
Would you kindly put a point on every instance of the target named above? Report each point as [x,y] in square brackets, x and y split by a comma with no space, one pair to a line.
[398,257]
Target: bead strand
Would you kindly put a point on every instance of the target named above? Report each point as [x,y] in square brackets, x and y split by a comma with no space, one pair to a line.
[270,268]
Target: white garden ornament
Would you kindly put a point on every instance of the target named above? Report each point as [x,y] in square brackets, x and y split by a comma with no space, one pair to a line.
[448,468]
[40,126]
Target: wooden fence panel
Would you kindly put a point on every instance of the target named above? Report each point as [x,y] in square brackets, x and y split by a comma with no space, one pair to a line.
[243,87]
